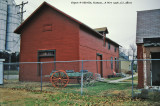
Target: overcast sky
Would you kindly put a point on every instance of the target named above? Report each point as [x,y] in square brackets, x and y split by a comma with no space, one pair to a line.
[120,19]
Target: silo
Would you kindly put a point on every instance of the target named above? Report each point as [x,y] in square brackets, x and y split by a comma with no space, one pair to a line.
[13,21]
[10,2]
[3,21]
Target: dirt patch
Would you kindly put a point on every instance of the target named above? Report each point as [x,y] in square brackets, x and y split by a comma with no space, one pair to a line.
[121,93]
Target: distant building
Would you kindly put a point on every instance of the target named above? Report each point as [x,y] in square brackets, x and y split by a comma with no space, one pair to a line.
[51,35]
[124,63]
[148,47]
[9,21]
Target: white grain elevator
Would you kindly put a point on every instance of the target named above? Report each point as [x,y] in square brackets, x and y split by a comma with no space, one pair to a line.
[9,21]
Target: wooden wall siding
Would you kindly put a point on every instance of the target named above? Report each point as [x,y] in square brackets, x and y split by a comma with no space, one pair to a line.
[63,38]
[51,30]
[90,46]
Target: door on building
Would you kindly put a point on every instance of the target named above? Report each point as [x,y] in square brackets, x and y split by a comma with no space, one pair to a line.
[99,64]
[48,57]
[48,66]
[155,69]
[116,67]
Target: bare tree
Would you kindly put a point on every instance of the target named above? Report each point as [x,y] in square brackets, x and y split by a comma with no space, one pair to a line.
[134,49]
[123,50]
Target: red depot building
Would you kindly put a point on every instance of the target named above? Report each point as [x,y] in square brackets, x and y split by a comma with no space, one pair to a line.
[48,34]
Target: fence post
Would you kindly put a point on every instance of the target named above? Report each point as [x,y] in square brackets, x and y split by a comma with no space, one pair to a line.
[151,78]
[82,79]
[9,67]
[1,71]
[132,75]
[41,76]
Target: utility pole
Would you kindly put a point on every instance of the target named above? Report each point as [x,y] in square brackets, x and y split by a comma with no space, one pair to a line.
[21,6]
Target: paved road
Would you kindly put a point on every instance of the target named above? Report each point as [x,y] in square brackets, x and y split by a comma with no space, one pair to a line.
[11,77]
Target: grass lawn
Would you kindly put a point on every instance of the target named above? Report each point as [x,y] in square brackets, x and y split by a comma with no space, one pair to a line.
[114,78]
[32,98]
[100,94]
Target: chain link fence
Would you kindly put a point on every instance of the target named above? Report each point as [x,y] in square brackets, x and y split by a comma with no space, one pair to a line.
[85,77]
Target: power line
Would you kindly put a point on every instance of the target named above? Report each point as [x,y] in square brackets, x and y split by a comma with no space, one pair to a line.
[33,5]
[21,6]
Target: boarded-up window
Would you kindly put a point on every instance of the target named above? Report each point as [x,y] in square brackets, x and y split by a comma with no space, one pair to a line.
[47,27]
[109,46]
[115,49]
[111,62]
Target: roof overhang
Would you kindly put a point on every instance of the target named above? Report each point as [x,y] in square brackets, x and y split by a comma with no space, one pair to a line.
[151,42]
